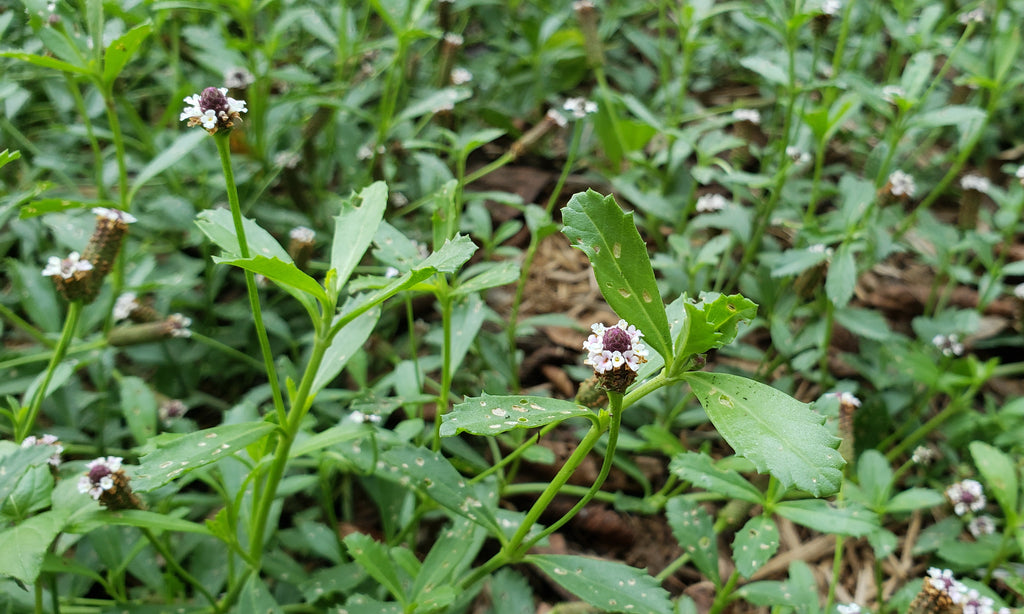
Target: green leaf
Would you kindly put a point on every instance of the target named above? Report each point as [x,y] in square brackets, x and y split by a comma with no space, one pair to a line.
[346,431]
[852,520]
[598,226]
[27,543]
[177,455]
[96,518]
[841,277]
[373,557]
[864,322]
[699,469]
[178,150]
[914,499]
[452,255]
[122,49]
[43,206]
[606,585]
[451,555]
[1000,473]
[798,591]
[766,69]
[45,62]
[874,475]
[346,343]
[467,318]
[709,324]
[491,414]
[950,115]
[496,274]
[140,408]
[254,597]
[8,156]
[433,476]
[774,431]
[694,529]
[354,229]
[219,227]
[16,461]
[510,593]
[754,544]
[285,274]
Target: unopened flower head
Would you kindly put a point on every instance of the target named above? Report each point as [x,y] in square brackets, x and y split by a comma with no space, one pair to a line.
[68,267]
[461,76]
[949,344]
[238,78]
[616,354]
[709,203]
[46,440]
[797,155]
[893,93]
[171,409]
[902,184]
[747,115]
[579,108]
[965,496]
[981,525]
[923,455]
[831,7]
[973,16]
[213,109]
[974,182]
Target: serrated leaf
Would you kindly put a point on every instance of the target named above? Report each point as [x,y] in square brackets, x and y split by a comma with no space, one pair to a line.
[709,324]
[16,462]
[354,229]
[598,226]
[122,49]
[452,255]
[373,557]
[346,343]
[606,585]
[492,414]
[754,544]
[27,543]
[694,529]
[285,274]
[219,227]
[699,469]
[510,593]
[851,519]
[496,274]
[433,476]
[1000,473]
[140,408]
[777,433]
[841,277]
[183,454]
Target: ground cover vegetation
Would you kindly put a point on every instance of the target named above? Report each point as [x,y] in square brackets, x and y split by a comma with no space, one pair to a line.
[511,306]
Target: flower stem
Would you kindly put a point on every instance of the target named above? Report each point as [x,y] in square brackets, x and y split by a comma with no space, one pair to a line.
[224,149]
[24,423]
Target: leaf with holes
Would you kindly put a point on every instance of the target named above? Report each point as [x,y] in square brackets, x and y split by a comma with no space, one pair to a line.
[771,429]
[177,455]
[754,544]
[434,477]
[694,529]
[606,585]
[490,415]
[598,226]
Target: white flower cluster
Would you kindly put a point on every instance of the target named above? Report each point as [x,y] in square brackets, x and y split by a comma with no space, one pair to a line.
[969,599]
[965,496]
[67,267]
[579,107]
[750,115]
[125,305]
[902,184]
[847,398]
[710,203]
[949,345]
[46,440]
[975,182]
[604,359]
[98,477]
[198,112]
[115,215]
[302,234]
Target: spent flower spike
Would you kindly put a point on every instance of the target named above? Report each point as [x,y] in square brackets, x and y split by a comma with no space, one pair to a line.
[965,496]
[213,109]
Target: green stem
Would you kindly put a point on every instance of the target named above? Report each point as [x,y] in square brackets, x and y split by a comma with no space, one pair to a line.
[961,403]
[224,149]
[446,357]
[724,596]
[9,315]
[172,562]
[122,169]
[23,425]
